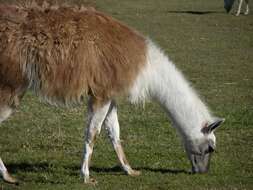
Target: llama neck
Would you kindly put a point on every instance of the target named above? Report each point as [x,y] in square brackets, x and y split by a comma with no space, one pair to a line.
[173,92]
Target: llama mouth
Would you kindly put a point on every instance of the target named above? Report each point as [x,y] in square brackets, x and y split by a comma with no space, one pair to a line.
[200,163]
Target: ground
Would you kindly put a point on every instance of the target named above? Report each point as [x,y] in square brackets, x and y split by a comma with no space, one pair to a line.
[42,145]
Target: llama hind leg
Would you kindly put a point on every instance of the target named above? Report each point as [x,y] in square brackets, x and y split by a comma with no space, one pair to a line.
[247,7]
[6,176]
[239,8]
[97,111]
[112,126]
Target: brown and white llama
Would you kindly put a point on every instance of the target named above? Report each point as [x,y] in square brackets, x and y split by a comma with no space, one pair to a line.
[63,54]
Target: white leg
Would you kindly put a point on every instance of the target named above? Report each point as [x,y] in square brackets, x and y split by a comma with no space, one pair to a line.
[112,126]
[239,8]
[247,7]
[5,112]
[6,176]
[3,169]
[97,111]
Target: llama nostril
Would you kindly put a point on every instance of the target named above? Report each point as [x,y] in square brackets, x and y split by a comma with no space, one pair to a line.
[210,149]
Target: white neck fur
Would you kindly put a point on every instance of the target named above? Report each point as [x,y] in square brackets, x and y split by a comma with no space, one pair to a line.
[162,81]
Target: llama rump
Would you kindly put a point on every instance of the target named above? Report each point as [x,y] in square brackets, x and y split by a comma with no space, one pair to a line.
[64,54]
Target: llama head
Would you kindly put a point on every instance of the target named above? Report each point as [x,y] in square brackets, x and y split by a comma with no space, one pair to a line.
[199,150]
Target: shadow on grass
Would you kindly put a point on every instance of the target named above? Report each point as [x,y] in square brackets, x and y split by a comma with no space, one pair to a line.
[39,169]
[118,169]
[164,171]
[72,170]
[28,167]
[195,12]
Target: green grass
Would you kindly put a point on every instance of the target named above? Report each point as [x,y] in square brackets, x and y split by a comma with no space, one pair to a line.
[42,145]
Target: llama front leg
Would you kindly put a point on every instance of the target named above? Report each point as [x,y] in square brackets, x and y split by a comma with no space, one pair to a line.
[6,176]
[247,7]
[239,8]
[112,126]
[97,111]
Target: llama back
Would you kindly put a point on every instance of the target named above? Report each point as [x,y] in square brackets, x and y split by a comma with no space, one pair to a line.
[65,53]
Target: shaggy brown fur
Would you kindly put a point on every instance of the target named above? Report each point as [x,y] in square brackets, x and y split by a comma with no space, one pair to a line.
[64,53]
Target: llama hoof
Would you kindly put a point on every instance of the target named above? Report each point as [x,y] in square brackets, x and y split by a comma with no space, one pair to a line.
[91,181]
[134,173]
[9,179]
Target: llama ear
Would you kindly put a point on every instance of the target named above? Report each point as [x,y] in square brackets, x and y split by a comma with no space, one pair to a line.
[210,128]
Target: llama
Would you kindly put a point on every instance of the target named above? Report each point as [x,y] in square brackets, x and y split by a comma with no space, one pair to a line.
[228,4]
[64,54]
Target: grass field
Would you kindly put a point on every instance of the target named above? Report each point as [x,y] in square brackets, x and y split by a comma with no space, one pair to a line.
[42,145]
